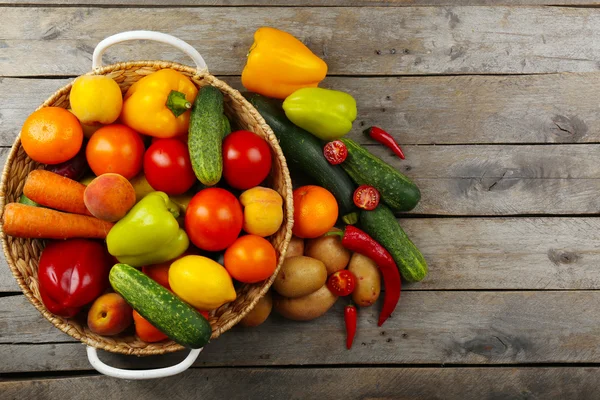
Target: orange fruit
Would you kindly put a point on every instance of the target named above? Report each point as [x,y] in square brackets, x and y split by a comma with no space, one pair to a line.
[250,259]
[315,211]
[51,135]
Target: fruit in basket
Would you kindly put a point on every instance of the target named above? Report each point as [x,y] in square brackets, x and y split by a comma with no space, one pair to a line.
[329,250]
[145,330]
[73,273]
[213,219]
[160,272]
[205,138]
[250,259]
[141,186]
[295,248]
[96,99]
[157,105]
[327,114]
[368,280]
[109,197]
[168,168]
[201,282]
[278,64]
[263,211]
[51,135]
[74,168]
[300,276]
[115,148]
[259,313]
[315,211]
[109,315]
[246,159]
[307,307]
[149,233]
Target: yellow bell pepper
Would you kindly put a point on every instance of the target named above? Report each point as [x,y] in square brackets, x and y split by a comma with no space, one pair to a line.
[157,105]
[279,64]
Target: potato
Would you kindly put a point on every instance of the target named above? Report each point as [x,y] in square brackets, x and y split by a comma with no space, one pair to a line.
[295,248]
[330,251]
[368,280]
[260,312]
[300,276]
[307,307]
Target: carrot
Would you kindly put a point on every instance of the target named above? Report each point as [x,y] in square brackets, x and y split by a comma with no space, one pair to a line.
[25,221]
[55,191]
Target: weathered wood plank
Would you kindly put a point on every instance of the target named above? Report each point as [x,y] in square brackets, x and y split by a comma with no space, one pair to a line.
[323,383]
[418,110]
[353,41]
[304,3]
[428,328]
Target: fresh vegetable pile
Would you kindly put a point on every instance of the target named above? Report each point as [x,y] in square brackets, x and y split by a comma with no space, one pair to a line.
[154,205]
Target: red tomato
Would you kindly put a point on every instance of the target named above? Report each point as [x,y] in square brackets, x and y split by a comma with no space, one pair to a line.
[213,219]
[366,197]
[246,159]
[250,259]
[115,148]
[342,283]
[168,167]
[335,152]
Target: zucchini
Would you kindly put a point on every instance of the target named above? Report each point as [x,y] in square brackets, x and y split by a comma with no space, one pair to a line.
[382,225]
[396,190]
[206,132]
[169,314]
[304,153]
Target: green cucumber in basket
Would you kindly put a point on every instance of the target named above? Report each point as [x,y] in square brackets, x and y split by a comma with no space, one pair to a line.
[167,312]
[382,225]
[396,190]
[304,152]
[206,132]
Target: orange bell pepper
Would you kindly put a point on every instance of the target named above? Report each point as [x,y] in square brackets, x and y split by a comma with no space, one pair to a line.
[158,104]
[279,64]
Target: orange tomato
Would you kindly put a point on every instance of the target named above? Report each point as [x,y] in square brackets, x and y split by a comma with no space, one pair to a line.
[145,330]
[51,135]
[115,148]
[315,211]
[250,259]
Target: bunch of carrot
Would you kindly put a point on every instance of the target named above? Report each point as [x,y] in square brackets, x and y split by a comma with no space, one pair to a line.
[62,213]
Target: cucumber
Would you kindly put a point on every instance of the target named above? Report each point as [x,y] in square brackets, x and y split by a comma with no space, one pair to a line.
[396,190]
[382,225]
[304,153]
[169,314]
[206,134]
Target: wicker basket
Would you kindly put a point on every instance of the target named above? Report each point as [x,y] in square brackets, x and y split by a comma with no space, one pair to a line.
[22,255]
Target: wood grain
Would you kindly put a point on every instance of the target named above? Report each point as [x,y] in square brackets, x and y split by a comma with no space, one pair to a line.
[305,3]
[418,110]
[353,41]
[446,327]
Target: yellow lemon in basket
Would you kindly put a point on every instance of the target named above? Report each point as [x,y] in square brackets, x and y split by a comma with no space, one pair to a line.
[201,282]
[96,99]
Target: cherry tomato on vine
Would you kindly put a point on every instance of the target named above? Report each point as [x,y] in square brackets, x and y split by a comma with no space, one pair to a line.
[335,152]
[366,197]
[342,283]
[168,167]
[246,159]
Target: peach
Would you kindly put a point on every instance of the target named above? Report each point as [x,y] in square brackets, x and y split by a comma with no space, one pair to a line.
[109,197]
[109,315]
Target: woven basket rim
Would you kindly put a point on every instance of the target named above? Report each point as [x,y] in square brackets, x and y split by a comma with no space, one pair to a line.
[168,346]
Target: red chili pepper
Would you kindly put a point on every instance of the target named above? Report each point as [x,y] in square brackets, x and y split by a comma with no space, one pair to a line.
[350,319]
[386,139]
[360,242]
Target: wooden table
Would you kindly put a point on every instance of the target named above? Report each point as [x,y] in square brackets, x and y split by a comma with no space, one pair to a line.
[498,109]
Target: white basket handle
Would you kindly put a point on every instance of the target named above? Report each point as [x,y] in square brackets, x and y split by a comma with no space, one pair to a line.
[147,35]
[140,374]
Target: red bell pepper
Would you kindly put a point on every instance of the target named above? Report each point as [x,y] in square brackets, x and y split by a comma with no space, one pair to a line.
[72,273]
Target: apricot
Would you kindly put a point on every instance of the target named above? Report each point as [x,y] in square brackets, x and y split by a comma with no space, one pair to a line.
[263,211]
[109,315]
[109,197]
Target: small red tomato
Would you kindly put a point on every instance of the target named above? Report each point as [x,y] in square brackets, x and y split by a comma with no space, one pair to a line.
[341,283]
[366,197]
[335,152]
[246,159]
[168,167]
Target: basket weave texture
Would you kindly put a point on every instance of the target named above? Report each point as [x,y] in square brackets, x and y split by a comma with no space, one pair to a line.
[22,255]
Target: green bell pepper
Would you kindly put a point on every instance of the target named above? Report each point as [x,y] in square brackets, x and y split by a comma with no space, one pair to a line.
[327,114]
[149,233]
